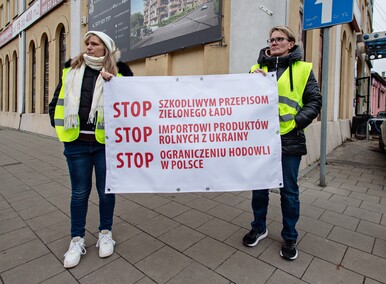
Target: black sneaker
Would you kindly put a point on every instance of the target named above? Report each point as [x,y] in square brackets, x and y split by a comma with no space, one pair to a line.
[288,250]
[252,238]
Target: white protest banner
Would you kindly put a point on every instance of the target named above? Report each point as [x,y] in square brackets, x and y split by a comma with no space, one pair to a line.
[192,133]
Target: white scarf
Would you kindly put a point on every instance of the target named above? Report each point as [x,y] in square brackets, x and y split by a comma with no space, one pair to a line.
[72,88]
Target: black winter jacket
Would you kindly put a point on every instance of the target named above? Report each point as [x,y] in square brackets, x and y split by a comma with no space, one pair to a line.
[294,142]
[88,85]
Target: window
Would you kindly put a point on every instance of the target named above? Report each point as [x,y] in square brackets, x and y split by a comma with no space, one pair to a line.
[1,86]
[33,78]
[62,51]
[1,17]
[46,76]
[8,12]
[14,75]
[15,8]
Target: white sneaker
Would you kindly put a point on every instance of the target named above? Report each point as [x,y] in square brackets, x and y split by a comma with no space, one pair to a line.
[105,243]
[76,249]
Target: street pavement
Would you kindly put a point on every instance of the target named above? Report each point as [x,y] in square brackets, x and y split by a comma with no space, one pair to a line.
[192,238]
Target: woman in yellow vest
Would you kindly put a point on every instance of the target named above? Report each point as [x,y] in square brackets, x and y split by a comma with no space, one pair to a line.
[76,112]
[299,104]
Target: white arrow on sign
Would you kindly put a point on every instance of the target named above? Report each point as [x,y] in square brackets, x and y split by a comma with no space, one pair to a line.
[326,10]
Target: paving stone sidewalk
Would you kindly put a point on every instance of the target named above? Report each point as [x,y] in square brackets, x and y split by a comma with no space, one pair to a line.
[192,238]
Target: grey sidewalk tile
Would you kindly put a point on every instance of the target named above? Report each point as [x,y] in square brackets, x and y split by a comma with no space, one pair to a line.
[352,239]
[379,248]
[236,241]
[346,200]
[172,209]
[371,281]
[64,277]
[210,252]
[218,229]
[329,205]
[23,253]
[243,220]
[46,220]
[12,186]
[118,271]
[20,196]
[279,277]
[62,202]
[383,220]
[182,198]
[16,238]
[313,226]
[124,205]
[311,186]
[138,215]
[164,264]
[181,238]
[225,212]
[371,229]
[326,273]
[158,225]
[202,204]
[363,214]
[50,189]
[34,271]
[146,280]
[365,264]
[123,231]
[340,220]
[197,273]
[193,218]
[348,182]
[274,213]
[380,193]
[297,268]
[33,178]
[242,268]
[379,208]
[322,248]
[12,224]
[29,203]
[336,190]
[54,232]
[229,198]
[138,247]
[4,204]
[38,210]
[91,262]
[317,194]
[374,184]
[245,205]
[7,214]
[150,201]
[356,188]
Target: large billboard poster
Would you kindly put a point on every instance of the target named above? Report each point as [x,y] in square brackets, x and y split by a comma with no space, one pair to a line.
[143,28]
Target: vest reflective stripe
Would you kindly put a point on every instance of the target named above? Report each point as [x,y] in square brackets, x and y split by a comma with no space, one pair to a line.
[290,103]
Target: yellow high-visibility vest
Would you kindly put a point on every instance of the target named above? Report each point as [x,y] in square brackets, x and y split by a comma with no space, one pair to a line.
[72,134]
[290,102]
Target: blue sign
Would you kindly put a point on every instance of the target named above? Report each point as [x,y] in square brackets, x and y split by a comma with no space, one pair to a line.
[324,13]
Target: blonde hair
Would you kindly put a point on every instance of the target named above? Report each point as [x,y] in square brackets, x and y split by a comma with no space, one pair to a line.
[285,30]
[109,62]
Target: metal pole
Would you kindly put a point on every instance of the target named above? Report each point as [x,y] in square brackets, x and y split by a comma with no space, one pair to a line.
[323,133]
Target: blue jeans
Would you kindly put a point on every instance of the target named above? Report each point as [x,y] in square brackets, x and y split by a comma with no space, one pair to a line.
[82,157]
[289,197]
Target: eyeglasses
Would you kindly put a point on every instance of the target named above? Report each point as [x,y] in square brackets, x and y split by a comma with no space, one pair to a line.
[276,39]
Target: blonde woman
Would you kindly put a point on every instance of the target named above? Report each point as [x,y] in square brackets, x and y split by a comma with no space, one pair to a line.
[76,112]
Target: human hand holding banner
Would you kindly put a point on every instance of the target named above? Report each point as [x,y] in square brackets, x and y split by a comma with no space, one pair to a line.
[192,133]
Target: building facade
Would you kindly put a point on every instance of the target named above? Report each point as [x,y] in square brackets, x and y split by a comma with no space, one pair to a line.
[37,36]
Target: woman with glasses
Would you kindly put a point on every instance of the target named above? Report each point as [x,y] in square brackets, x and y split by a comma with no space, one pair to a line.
[299,104]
